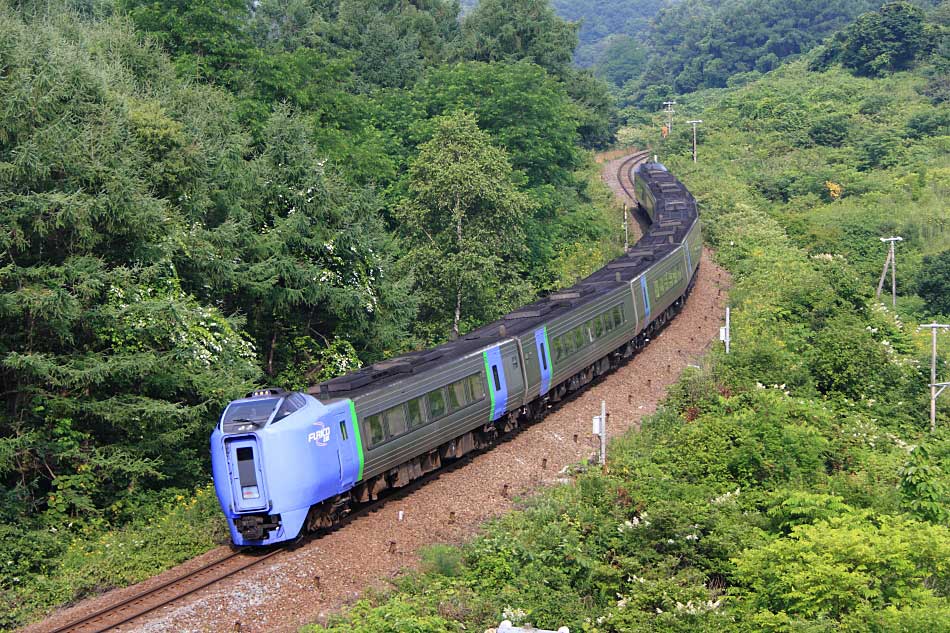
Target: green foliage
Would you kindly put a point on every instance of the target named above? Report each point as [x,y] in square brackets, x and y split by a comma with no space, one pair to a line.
[622,60]
[696,44]
[603,22]
[516,30]
[847,568]
[846,359]
[925,480]
[45,567]
[831,130]
[465,219]
[933,282]
[443,560]
[887,40]
[526,112]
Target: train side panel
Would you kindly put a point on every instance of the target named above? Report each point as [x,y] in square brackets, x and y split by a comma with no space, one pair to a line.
[666,281]
[424,411]
[590,333]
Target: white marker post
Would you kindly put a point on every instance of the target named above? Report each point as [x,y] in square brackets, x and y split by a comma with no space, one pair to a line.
[600,429]
[725,335]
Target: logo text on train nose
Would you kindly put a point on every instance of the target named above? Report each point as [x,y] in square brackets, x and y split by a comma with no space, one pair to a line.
[319,436]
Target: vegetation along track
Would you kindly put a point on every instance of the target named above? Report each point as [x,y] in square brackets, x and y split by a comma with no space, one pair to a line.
[471,501]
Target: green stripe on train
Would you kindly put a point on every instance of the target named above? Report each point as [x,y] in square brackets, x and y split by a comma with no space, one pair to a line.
[356,437]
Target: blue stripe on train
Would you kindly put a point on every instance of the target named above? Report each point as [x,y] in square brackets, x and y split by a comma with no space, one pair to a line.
[498,388]
[544,358]
[646,296]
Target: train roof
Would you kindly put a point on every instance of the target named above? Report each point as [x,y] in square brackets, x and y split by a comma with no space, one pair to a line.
[674,216]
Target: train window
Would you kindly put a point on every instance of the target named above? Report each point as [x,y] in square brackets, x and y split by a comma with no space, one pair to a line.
[343,432]
[618,315]
[376,434]
[578,338]
[598,327]
[477,386]
[544,358]
[456,395]
[437,407]
[414,408]
[494,373]
[395,419]
[608,321]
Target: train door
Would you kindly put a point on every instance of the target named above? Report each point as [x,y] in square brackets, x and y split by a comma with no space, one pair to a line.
[544,358]
[497,386]
[342,424]
[248,486]
[646,298]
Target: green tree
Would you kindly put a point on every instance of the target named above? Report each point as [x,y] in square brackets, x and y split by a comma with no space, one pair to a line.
[514,30]
[845,569]
[848,360]
[464,218]
[525,110]
[886,40]
[622,60]
[306,255]
[208,38]
[933,282]
[105,362]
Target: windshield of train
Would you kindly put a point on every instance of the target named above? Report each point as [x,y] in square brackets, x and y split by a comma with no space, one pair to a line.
[257,410]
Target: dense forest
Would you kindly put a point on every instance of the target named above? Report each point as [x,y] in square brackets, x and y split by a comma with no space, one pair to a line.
[649,51]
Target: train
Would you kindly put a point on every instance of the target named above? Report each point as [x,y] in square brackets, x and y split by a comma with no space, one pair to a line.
[286,463]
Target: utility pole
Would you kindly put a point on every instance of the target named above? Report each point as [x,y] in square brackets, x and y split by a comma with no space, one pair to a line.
[892,261]
[936,388]
[669,114]
[694,124]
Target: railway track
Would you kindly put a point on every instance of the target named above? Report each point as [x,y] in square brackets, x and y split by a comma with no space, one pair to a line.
[624,172]
[172,590]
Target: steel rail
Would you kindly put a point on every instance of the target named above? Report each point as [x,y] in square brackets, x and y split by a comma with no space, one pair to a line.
[84,623]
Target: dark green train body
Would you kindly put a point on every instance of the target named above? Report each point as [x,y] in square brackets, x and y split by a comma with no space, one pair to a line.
[394,421]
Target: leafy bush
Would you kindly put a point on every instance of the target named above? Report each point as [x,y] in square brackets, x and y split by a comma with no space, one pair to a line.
[933,282]
[831,130]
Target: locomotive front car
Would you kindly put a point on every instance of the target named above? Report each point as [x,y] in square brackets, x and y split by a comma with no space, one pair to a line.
[274,454]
